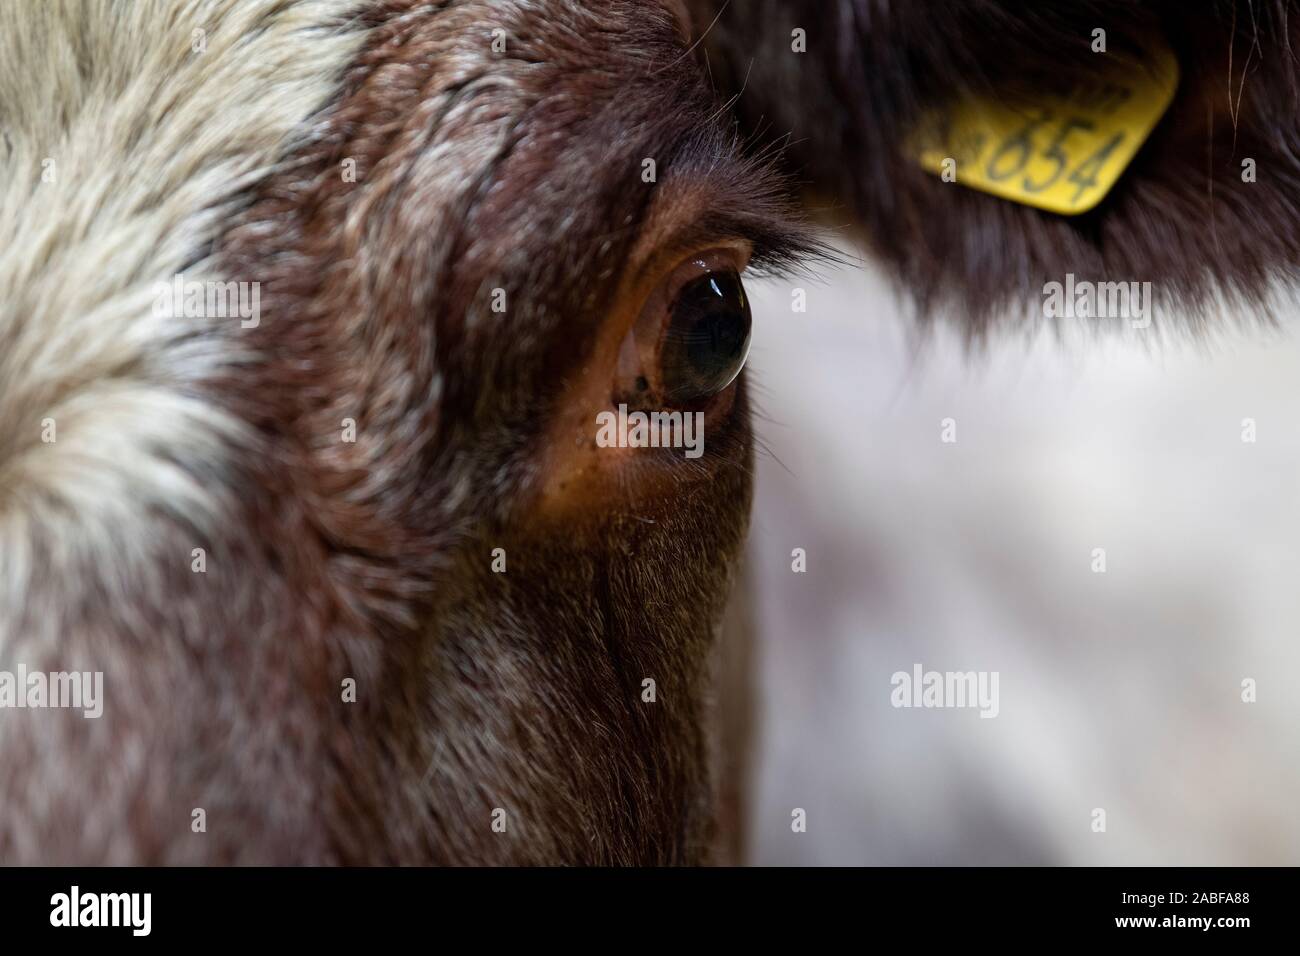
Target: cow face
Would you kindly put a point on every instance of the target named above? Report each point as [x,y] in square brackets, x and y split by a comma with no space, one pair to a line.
[431,565]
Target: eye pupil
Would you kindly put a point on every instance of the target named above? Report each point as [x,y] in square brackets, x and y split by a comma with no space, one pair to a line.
[707,338]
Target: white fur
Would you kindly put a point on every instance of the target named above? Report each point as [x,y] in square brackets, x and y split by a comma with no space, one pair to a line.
[152,145]
[151,142]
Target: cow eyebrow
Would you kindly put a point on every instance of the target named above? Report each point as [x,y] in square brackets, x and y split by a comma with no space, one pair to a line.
[711,193]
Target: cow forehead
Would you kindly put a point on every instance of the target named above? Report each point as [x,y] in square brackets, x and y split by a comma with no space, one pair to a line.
[137,159]
[479,154]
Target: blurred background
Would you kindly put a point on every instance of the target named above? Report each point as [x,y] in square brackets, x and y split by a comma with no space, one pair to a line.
[1119,691]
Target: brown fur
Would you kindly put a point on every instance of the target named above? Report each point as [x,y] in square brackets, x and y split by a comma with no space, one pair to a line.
[371,561]
[518,691]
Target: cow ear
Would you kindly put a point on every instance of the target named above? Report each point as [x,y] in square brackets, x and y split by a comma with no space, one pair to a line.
[1199,207]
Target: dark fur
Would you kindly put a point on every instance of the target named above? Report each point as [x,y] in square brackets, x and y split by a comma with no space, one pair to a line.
[482,690]
[1180,217]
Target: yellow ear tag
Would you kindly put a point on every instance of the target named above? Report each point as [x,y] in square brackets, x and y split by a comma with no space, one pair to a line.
[1061,151]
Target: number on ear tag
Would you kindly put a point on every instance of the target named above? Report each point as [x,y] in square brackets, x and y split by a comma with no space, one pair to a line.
[1065,149]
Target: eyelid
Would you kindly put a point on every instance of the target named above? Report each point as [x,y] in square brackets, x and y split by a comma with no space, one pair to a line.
[649,269]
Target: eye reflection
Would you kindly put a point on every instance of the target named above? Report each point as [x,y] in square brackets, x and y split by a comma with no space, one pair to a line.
[707,339]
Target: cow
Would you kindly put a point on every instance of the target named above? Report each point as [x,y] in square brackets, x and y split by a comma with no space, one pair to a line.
[361,582]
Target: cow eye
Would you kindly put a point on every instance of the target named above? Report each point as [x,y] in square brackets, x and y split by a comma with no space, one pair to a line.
[692,338]
[707,338]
